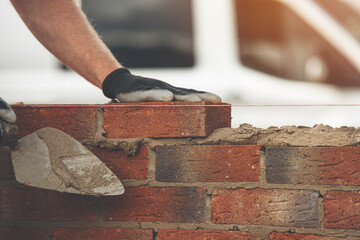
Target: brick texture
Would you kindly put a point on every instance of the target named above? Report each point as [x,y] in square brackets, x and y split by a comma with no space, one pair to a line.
[78,122]
[265,207]
[147,204]
[27,203]
[320,165]
[296,236]
[123,166]
[6,169]
[22,234]
[102,233]
[165,121]
[170,234]
[207,163]
[342,210]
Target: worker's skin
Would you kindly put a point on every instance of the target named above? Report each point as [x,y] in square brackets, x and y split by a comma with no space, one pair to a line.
[64,30]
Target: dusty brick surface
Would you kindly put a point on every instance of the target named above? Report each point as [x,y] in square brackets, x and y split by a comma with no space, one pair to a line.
[265,207]
[122,121]
[342,210]
[103,233]
[78,122]
[210,163]
[147,204]
[22,234]
[27,203]
[296,236]
[123,166]
[319,165]
[170,234]
[6,168]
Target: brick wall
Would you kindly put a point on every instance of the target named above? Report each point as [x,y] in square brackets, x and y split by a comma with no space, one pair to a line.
[181,184]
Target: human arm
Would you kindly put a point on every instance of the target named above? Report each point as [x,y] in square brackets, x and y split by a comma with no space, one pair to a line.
[64,30]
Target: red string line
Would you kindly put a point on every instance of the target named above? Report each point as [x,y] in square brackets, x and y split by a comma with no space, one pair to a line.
[185,105]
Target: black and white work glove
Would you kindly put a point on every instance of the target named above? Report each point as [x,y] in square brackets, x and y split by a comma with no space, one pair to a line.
[126,87]
[7,115]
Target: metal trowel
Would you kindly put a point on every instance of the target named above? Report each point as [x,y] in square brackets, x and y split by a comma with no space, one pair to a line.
[51,159]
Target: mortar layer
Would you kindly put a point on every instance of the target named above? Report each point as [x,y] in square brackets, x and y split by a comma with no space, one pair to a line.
[288,136]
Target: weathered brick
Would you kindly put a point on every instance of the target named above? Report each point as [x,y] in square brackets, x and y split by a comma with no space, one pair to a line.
[103,233]
[210,163]
[342,210]
[318,165]
[6,168]
[162,120]
[22,233]
[171,234]
[265,207]
[296,236]
[148,204]
[27,203]
[78,122]
[123,166]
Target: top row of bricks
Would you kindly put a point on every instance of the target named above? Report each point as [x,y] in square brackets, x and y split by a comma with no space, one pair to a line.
[127,120]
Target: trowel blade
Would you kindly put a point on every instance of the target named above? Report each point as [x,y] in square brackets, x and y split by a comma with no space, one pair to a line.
[51,159]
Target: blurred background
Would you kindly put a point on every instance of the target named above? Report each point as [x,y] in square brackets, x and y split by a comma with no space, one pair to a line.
[250,52]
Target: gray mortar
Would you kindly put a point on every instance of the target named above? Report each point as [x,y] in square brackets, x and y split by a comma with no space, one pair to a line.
[288,136]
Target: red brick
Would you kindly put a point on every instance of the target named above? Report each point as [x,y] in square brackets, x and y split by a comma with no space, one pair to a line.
[265,207]
[103,233]
[210,163]
[6,168]
[123,166]
[342,210]
[147,204]
[78,122]
[22,233]
[202,234]
[27,203]
[296,236]
[126,120]
[319,165]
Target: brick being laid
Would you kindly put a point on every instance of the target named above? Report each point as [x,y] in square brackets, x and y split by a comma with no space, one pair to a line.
[165,120]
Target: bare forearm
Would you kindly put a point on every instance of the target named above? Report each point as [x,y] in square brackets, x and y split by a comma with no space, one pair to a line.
[63,29]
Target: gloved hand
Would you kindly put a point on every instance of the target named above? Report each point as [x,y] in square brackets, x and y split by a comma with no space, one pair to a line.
[6,112]
[7,116]
[125,87]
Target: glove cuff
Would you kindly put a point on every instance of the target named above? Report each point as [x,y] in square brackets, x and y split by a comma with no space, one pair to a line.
[107,85]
